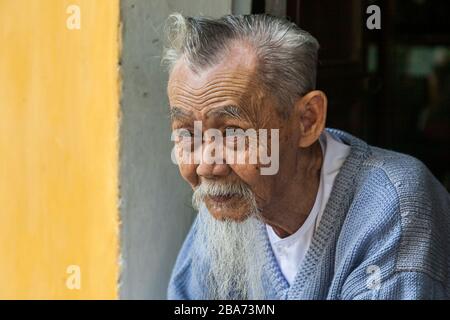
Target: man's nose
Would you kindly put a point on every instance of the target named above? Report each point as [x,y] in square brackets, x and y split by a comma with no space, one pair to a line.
[208,168]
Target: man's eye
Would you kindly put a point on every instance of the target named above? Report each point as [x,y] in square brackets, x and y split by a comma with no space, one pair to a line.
[184,133]
[233,131]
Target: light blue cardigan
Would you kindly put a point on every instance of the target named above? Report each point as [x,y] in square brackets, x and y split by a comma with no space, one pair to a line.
[385,234]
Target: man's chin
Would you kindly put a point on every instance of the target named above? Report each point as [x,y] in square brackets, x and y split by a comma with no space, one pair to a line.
[228,209]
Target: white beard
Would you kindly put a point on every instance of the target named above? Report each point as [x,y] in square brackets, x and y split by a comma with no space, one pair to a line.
[232,250]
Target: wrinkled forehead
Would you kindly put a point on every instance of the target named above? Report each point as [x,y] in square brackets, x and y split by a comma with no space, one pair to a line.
[232,79]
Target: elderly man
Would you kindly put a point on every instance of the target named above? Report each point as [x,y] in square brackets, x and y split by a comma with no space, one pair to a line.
[334,219]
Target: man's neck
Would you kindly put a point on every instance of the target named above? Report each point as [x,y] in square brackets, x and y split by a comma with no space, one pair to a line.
[289,212]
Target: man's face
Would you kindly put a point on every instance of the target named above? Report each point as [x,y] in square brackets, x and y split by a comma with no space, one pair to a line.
[229,96]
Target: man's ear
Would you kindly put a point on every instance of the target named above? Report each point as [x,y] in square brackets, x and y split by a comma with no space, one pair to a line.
[312,113]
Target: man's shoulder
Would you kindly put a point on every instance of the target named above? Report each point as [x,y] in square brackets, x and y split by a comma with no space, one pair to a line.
[406,174]
[415,187]
[406,210]
[405,185]
[398,167]
[397,220]
[388,182]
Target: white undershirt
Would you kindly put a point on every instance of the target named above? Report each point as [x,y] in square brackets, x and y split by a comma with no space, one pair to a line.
[290,251]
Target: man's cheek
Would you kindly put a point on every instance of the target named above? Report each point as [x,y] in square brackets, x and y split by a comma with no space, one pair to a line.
[249,173]
[188,172]
[260,185]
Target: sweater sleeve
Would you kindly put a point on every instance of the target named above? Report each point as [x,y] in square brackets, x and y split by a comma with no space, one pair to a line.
[405,285]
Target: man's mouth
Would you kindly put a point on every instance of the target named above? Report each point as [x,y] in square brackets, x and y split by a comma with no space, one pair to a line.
[222,198]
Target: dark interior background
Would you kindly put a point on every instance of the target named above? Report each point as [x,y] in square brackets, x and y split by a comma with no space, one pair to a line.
[390,87]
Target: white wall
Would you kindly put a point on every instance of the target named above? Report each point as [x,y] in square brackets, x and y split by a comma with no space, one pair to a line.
[241,6]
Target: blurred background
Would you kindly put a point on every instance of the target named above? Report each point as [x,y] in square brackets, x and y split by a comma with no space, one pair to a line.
[391,86]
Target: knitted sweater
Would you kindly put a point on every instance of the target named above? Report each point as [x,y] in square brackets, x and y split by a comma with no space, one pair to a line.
[384,234]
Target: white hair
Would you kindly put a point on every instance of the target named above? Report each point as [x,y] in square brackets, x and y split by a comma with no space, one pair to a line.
[286,54]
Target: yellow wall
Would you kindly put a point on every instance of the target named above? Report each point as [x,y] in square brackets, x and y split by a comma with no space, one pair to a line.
[58,149]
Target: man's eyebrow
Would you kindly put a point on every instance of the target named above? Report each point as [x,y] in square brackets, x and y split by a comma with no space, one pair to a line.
[229,111]
[176,113]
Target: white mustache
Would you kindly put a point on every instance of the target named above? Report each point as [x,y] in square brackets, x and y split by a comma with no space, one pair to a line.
[218,189]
